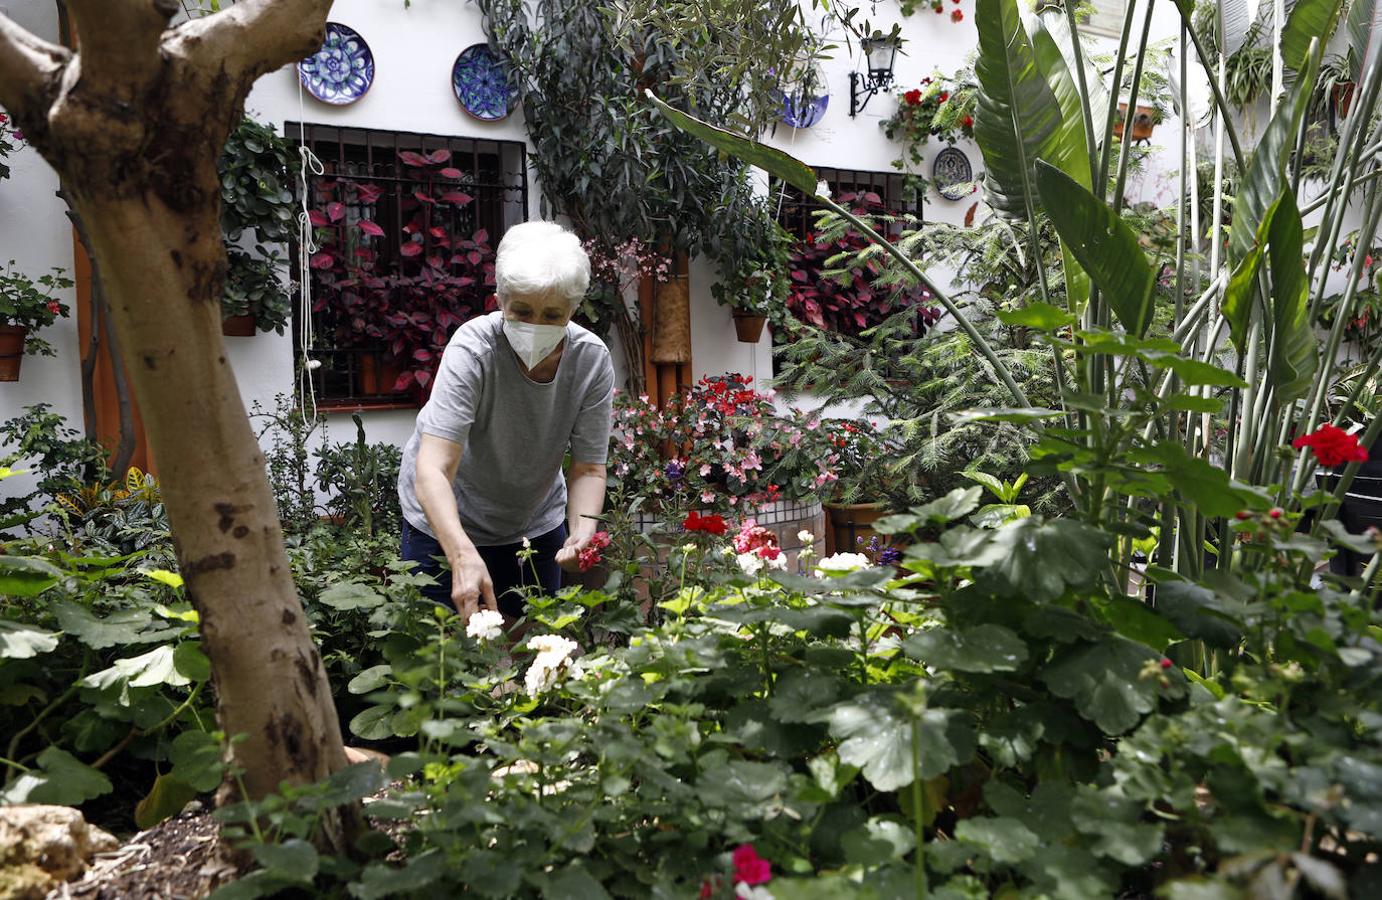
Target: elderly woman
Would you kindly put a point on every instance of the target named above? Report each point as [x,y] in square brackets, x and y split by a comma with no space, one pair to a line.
[482,474]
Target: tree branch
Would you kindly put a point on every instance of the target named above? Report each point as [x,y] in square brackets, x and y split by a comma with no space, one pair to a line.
[30,70]
[253,37]
[118,41]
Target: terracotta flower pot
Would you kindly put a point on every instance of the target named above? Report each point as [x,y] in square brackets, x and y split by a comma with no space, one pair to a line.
[849,526]
[749,327]
[238,326]
[1142,123]
[12,339]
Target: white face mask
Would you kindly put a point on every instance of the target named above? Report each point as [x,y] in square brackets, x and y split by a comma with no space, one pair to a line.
[533,343]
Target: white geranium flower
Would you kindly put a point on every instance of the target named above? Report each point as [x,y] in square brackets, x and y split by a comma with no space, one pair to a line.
[806,537]
[778,562]
[745,891]
[842,563]
[688,549]
[552,660]
[485,625]
[750,563]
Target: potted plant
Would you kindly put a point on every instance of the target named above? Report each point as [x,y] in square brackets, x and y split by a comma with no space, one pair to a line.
[26,305]
[257,167]
[937,107]
[863,488]
[1146,119]
[754,257]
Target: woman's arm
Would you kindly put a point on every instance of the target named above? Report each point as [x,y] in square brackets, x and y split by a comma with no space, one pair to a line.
[437,459]
[585,499]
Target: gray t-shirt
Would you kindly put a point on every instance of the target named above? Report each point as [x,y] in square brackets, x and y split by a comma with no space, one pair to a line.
[512,430]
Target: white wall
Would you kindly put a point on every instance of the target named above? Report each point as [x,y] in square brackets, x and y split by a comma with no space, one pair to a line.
[35,232]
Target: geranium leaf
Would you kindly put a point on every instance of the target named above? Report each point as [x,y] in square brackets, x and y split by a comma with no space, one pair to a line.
[983,648]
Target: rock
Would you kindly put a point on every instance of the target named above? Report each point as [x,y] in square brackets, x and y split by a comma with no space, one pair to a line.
[41,846]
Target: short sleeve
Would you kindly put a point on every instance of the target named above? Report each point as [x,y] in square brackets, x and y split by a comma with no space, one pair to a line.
[450,411]
[590,436]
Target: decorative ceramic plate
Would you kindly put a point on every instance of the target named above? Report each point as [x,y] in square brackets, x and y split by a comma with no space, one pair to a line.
[952,173]
[342,70]
[482,84]
[803,112]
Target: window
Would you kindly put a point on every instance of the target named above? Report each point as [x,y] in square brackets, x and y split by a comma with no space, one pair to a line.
[796,212]
[1106,18]
[406,225]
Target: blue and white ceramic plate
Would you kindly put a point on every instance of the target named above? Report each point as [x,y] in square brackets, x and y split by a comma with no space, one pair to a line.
[953,174]
[342,70]
[482,84]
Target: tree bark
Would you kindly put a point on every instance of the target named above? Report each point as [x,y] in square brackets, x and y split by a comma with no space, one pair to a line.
[134,123]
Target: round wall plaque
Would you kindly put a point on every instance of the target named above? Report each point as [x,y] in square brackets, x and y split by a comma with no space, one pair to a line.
[952,173]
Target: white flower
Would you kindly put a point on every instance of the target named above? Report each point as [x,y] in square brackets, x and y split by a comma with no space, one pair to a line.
[527,544]
[842,563]
[485,625]
[688,549]
[553,658]
[745,891]
[806,537]
[727,551]
[778,562]
[750,563]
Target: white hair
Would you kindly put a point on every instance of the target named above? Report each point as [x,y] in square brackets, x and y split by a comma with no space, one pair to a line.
[538,257]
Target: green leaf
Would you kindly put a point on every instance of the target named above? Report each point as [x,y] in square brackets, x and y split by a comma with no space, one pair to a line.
[1041,559]
[122,626]
[60,779]
[1018,118]
[954,505]
[196,759]
[294,859]
[373,724]
[983,648]
[1200,484]
[1292,359]
[147,670]
[191,662]
[384,880]
[19,640]
[1038,315]
[1309,19]
[769,159]
[166,798]
[351,595]
[1199,613]
[1265,177]
[1134,619]
[881,840]
[875,735]
[1193,372]
[371,679]
[1364,35]
[1105,246]
[1105,682]
[573,883]
[163,576]
[26,576]
[1004,840]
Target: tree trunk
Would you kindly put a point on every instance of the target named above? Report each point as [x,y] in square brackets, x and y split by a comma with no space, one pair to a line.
[134,125]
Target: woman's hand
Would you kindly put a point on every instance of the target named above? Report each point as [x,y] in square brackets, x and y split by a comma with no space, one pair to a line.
[568,557]
[471,587]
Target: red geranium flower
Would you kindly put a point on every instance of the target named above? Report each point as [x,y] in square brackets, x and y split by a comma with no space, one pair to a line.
[913,97]
[750,868]
[957,16]
[713,524]
[590,557]
[945,95]
[1332,446]
[967,121]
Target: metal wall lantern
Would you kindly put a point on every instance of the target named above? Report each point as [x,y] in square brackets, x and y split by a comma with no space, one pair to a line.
[880,51]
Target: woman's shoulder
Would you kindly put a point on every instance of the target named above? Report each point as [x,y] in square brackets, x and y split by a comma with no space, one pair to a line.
[476,338]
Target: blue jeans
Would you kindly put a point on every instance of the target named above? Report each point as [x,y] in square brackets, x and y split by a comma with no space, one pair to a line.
[505,569]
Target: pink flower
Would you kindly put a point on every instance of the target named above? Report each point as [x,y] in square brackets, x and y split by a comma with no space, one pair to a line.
[749,867]
[590,557]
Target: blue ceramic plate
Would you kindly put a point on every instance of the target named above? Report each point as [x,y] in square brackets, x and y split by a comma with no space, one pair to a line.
[482,84]
[953,174]
[342,70]
[803,112]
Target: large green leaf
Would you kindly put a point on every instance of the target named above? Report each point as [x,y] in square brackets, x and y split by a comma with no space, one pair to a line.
[1293,357]
[26,576]
[1364,35]
[1235,23]
[875,734]
[59,778]
[20,640]
[122,626]
[983,648]
[1018,117]
[1309,20]
[1105,246]
[1266,174]
[769,159]
[1105,682]
[1039,559]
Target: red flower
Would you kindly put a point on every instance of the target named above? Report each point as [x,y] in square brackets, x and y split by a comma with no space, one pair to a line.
[913,97]
[750,868]
[590,557]
[769,551]
[54,308]
[1332,446]
[752,537]
[713,524]
[1165,663]
[957,16]
[945,95]
[967,121]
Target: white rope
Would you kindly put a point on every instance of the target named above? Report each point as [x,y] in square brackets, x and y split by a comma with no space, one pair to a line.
[307,247]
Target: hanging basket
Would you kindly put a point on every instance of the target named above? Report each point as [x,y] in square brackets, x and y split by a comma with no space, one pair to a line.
[238,326]
[749,327]
[12,339]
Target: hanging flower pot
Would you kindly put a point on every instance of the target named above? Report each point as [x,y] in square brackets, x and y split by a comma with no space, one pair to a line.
[1142,123]
[749,327]
[238,326]
[1341,97]
[12,339]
